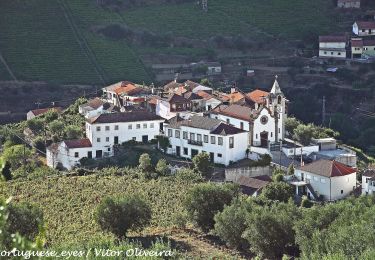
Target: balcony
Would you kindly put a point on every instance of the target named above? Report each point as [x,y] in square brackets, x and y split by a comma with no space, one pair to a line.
[196,143]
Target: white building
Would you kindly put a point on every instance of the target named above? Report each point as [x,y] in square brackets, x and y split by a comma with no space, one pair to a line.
[172,105]
[117,128]
[66,154]
[368,182]
[94,107]
[224,143]
[102,134]
[364,28]
[332,46]
[324,179]
[263,117]
[125,93]
[210,101]
[349,3]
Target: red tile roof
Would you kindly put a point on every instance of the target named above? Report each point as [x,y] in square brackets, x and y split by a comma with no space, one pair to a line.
[236,111]
[78,143]
[42,111]
[258,96]
[328,168]
[366,24]
[357,42]
[204,94]
[332,38]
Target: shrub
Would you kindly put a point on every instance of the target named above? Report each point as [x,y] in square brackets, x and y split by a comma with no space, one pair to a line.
[230,224]
[24,219]
[188,175]
[162,167]
[145,163]
[118,216]
[279,191]
[205,200]
[202,163]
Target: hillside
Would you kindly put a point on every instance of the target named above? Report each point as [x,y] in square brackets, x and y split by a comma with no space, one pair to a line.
[60,41]
[68,204]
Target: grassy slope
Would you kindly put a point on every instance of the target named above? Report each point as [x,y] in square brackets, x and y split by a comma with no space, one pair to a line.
[68,203]
[38,43]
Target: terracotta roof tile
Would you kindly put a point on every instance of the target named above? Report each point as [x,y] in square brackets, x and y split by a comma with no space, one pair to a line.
[332,38]
[366,24]
[78,143]
[42,111]
[327,168]
[258,96]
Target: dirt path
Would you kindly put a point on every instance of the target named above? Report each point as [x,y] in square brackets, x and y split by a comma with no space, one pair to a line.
[2,60]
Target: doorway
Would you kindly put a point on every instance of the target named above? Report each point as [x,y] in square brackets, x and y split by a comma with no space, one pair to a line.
[264,139]
[178,151]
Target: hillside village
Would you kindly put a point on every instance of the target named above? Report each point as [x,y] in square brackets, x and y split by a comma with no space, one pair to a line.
[232,128]
[252,152]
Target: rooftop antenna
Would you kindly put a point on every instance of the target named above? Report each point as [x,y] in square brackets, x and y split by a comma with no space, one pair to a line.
[205,5]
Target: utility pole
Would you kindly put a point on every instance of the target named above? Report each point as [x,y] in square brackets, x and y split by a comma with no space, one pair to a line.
[324,111]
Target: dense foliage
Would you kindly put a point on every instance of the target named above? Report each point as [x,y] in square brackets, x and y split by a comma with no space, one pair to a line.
[120,215]
[205,200]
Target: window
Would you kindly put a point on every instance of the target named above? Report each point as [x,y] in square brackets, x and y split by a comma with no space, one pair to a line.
[228,121]
[130,126]
[199,137]
[331,52]
[192,136]
[316,178]
[116,127]
[98,140]
[76,154]
[185,135]
[279,130]
[144,125]
[339,53]
[138,126]
[134,138]
[219,155]
[205,138]
[152,125]
[107,139]
[169,132]
[213,140]
[241,125]
[186,151]
[220,140]
[231,142]
[342,191]
[322,180]
[177,133]
[107,127]
[325,52]
[108,149]
[271,134]
[264,120]
[89,154]
[98,128]
[256,136]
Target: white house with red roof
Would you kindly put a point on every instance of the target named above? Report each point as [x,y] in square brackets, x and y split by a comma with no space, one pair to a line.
[362,48]
[364,28]
[325,180]
[41,111]
[103,133]
[262,115]
[126,93]
[189,137]
[332,46]
[66,154]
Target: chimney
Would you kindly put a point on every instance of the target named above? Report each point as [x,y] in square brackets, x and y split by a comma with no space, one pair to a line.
[232,90]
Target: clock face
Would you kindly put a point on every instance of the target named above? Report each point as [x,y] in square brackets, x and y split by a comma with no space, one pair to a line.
[264,120]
